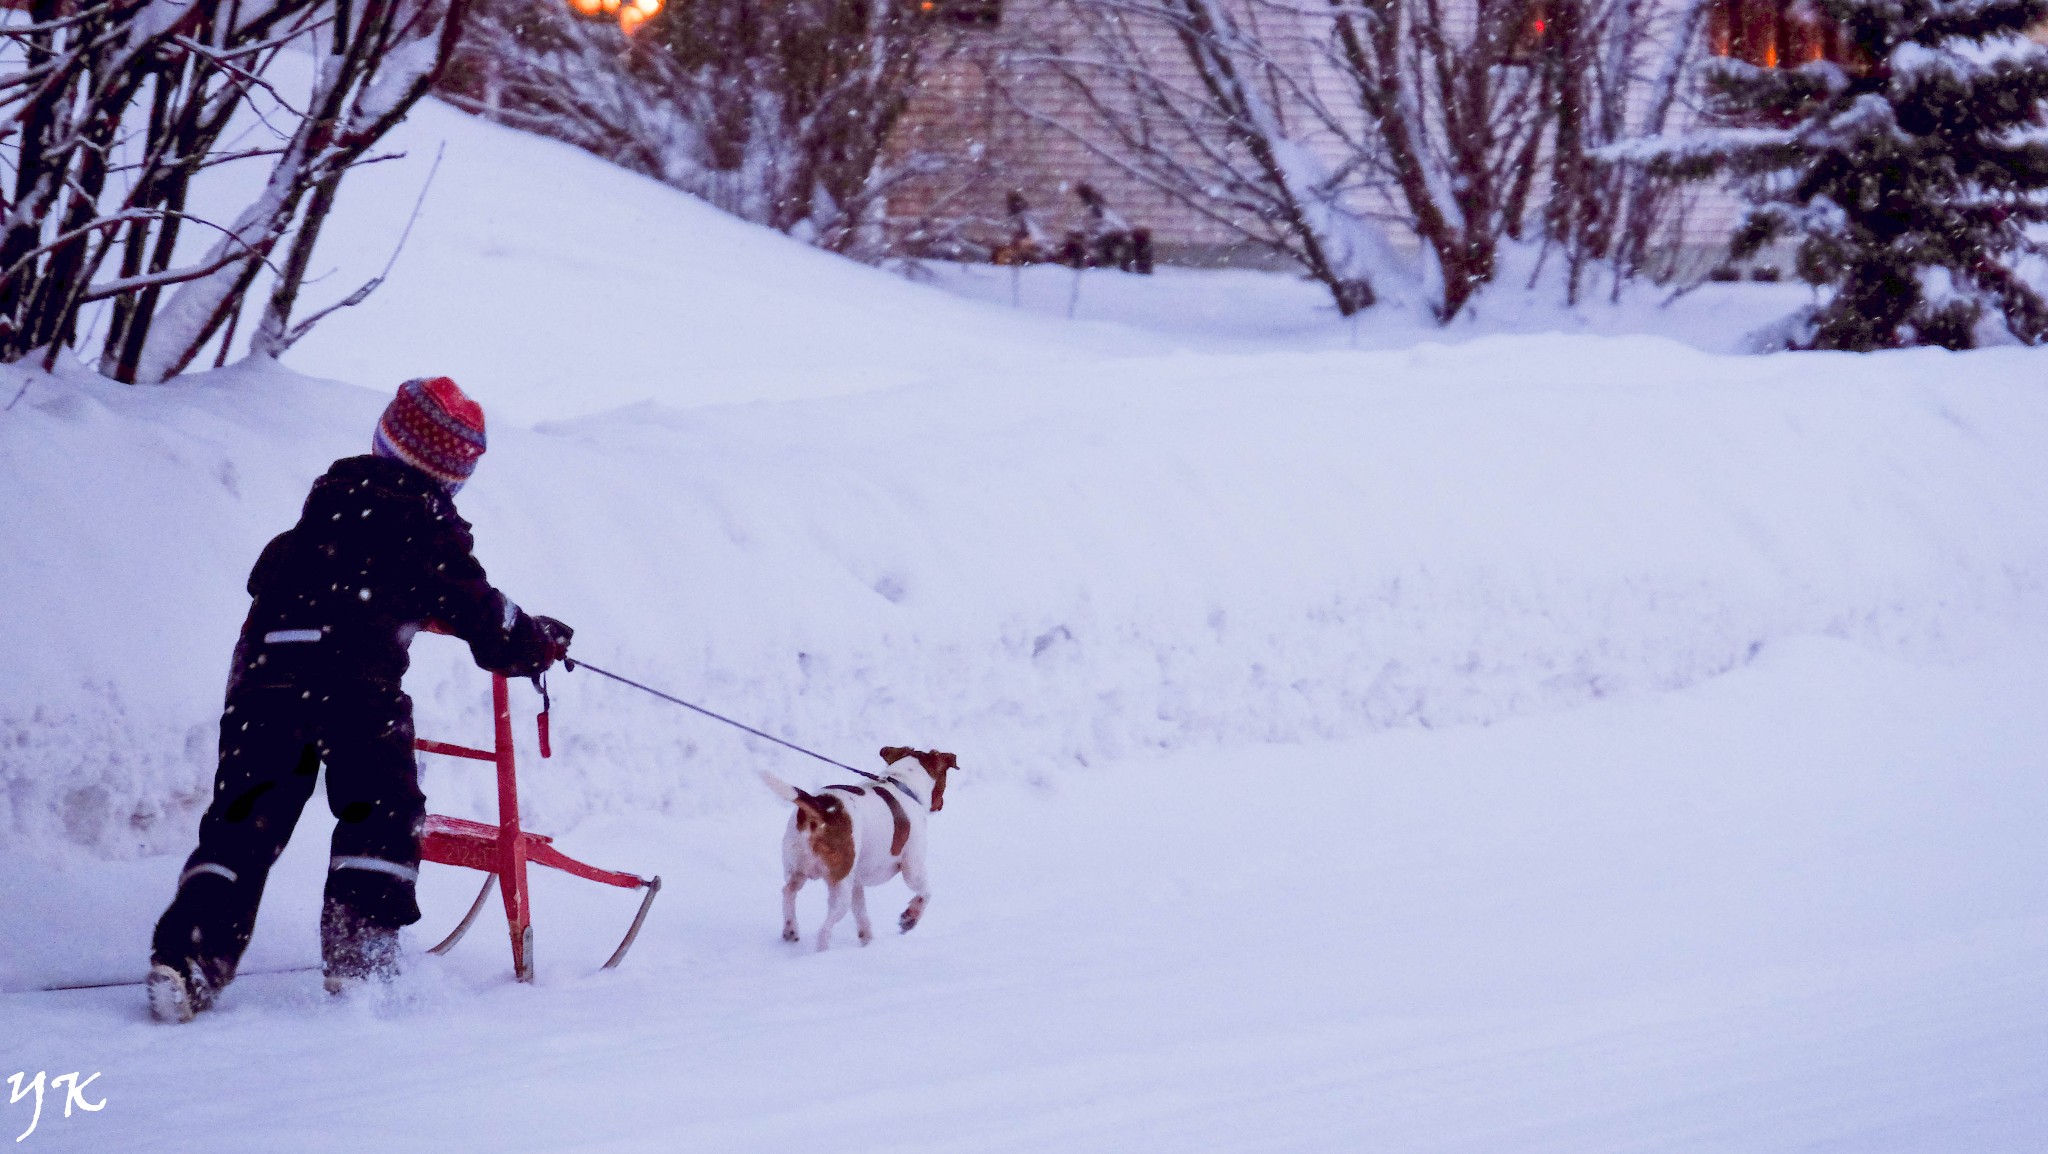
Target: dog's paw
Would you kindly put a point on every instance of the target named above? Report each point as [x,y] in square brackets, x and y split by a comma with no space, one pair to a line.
[789,933]
[910,915]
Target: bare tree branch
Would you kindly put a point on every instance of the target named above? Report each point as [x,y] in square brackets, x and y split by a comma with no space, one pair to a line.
[112,108]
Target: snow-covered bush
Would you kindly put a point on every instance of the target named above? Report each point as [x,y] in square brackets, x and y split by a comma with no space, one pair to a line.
[779,115]
[532,65]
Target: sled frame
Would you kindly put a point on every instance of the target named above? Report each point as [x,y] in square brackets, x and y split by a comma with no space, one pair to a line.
[503,851]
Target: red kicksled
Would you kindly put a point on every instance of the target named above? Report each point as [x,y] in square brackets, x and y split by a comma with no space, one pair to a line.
[503,851]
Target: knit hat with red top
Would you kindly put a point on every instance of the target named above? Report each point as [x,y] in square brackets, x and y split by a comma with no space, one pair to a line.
[432,426]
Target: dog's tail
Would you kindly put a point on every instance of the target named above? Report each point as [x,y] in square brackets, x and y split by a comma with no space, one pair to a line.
[783,789]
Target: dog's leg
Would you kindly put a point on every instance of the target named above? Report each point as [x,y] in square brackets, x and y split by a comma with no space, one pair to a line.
[860,913]
[921,892]
[835,908]
[789,888]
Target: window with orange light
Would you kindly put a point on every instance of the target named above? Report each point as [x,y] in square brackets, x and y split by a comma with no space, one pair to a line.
[630,14]
[1774,33]
[966,13]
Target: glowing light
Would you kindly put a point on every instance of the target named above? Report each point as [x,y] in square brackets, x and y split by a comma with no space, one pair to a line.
[630,14]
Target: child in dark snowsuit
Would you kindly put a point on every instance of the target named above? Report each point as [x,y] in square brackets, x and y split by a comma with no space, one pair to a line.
[379,552]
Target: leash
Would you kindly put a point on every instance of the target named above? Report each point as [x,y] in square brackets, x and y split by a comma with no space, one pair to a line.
[572,665]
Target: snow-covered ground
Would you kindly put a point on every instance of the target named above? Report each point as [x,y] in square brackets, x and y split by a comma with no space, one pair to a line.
[1490,739]
[1796,908]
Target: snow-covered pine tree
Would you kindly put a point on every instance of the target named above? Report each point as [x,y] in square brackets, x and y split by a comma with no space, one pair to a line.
[1909,173]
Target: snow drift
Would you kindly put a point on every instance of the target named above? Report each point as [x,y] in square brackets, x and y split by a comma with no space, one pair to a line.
[1039,573]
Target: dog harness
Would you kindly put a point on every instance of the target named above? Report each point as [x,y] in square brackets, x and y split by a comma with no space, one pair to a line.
[900,836]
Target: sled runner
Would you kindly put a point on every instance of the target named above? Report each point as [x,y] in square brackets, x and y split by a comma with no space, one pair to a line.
[504,850]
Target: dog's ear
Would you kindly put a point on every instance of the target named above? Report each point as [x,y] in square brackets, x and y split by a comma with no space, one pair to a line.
[891,754]
[938,764]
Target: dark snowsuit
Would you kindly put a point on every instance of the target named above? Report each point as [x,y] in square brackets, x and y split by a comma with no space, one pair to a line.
[379,551]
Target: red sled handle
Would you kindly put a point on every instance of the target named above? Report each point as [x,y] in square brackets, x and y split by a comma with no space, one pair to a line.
[540,722]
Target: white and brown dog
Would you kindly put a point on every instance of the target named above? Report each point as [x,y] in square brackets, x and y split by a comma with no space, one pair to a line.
[856,836]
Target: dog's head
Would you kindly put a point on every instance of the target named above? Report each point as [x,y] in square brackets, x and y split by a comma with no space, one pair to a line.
[935,762]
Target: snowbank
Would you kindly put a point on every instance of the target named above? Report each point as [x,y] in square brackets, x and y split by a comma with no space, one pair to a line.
[1145,553]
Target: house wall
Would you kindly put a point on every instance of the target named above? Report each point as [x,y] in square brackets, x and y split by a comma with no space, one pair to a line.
[1002,119]
[991,114]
